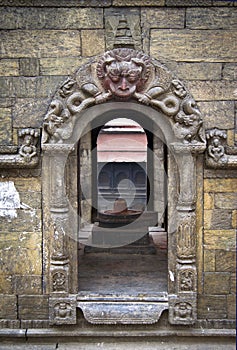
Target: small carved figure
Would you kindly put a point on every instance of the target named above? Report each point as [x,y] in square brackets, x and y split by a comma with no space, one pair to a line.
[183,310]
[28,149]
[186,242]
[179,88]
[215,149]
[63,310]
[67,88]
[59,281]
[186,281]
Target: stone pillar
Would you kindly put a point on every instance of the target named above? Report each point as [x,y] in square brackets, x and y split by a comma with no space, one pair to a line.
[62,305]
[183,303]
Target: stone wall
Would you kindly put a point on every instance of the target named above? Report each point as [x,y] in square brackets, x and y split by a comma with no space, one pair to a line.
[40,46]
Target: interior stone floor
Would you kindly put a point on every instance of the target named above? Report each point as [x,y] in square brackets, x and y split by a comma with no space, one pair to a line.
[128,275]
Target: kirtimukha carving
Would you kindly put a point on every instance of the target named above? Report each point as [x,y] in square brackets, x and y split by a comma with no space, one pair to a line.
[124,74]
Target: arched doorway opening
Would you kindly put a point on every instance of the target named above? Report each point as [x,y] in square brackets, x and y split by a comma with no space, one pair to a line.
[127,259]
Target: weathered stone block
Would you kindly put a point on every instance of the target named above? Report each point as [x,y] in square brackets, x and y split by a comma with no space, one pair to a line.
[40,43]
[26,184]
[212,307]
[178,45]
[196,71]
[20,261]
[6,126]
[218,114]
[218,219]
[6,285]
[33,307]
[219,174]
[138,2]
[230,138]
[27,220]
[231,306]
[188,3]
[7,102]
[31,199]
[225,261]
[233,283]
[234,219]
[51,18]
[224,3]
[208,200]
[21,253]
[9,67]
[216,283]
[29,112]
[44,86]
[162,18]
[71,3]
[219,239]
[36,87]
[31,284]
[235,131]
[211,18]
[226,200]
[29,67]
[220,185]
[60,65]
[209,260]
[212,90]
[93,42]
[230,71]
[17,3]
[8,307]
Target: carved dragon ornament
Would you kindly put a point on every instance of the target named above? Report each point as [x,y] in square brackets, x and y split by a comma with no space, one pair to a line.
[123,74]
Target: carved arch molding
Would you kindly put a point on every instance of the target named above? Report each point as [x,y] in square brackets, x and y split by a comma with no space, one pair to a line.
[128,80]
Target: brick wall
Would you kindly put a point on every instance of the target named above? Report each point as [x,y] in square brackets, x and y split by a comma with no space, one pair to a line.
[41,45]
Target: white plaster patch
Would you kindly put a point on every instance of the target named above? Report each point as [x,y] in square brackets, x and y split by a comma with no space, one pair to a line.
[9,200]
[171,276]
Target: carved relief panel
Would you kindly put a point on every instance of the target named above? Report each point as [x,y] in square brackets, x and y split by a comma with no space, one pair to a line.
[124,74]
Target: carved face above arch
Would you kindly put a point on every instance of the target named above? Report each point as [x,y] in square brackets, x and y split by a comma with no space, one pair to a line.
[123,72]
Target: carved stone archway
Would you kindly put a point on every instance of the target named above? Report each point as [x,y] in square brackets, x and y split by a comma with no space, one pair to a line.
[121,80]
